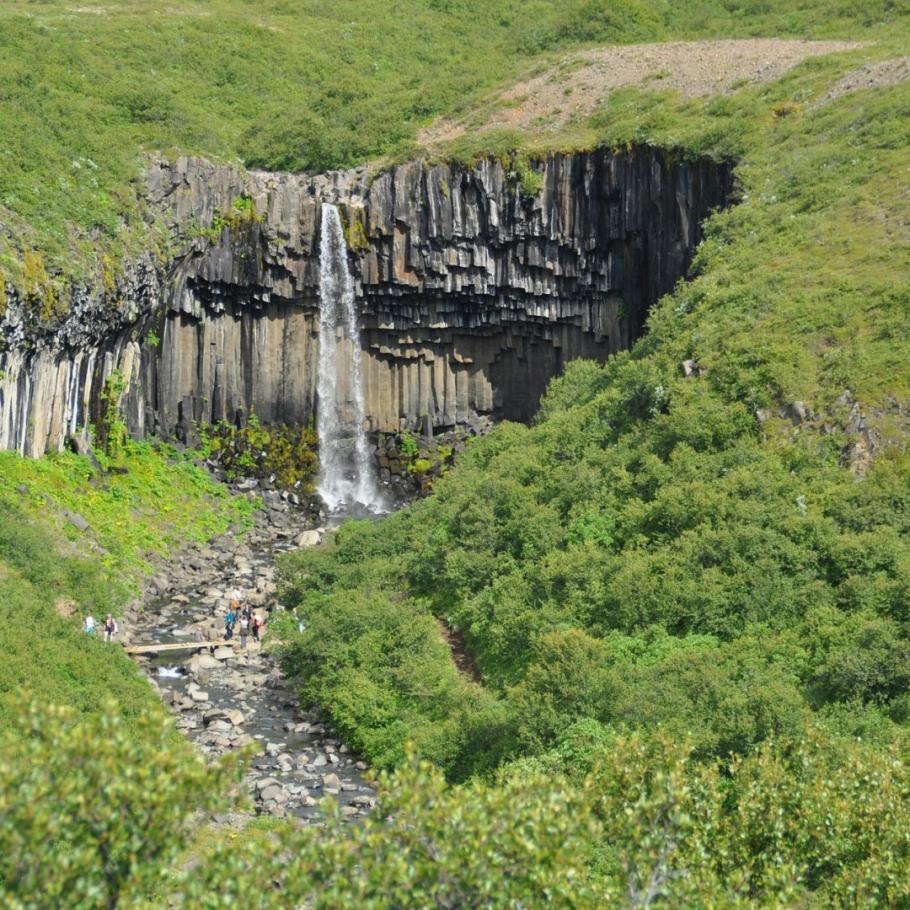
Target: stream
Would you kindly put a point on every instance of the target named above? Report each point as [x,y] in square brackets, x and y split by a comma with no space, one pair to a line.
[224,698]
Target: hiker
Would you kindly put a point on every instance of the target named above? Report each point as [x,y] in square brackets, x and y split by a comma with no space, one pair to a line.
[244,630]
[89,625]
[229,621]
[110,628]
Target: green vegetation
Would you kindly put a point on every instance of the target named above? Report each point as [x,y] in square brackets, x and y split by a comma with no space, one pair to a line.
[94,809]
[96,817]
[286,450]
[52,573]
[684,593]
[605,820]
[697,581]
[86,90]
[667,551]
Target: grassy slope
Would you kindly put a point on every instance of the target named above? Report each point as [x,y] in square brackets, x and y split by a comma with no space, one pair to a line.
[650,553]
[294,84]
[44,560]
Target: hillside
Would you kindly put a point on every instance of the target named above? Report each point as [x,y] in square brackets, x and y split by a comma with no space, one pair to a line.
[719,515]
[650,648]
[89,88]
[76,537]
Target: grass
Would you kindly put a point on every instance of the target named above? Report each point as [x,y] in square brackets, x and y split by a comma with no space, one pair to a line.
[87,90]
[49,569]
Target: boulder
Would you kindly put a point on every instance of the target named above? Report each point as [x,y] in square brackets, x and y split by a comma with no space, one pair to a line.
[274,793]
[77,521]
[202,662]
[307,539]
[235,717]
[331,783]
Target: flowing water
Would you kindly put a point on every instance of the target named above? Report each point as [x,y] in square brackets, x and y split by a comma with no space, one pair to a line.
[347,476]
[240,696]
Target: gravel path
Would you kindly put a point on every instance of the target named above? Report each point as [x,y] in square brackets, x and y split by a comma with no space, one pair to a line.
[579,83]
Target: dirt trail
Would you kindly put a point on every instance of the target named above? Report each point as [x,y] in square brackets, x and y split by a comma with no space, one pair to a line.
[575,86]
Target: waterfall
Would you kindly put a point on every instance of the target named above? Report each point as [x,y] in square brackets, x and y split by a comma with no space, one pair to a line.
[347,476]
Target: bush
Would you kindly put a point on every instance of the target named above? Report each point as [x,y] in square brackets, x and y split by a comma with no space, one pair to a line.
[96,810]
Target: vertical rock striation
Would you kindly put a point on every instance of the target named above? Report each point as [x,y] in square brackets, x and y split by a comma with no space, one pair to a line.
[473,292]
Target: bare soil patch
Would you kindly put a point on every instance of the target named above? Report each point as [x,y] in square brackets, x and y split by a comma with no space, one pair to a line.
[873,75]
[575,86]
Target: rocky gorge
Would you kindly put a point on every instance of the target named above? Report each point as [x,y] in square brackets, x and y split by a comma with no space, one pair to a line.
[475,285]
[228,698]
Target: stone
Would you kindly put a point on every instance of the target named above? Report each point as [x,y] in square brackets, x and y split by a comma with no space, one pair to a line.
[276,793]
[77,521]
[331,782]
[307,539]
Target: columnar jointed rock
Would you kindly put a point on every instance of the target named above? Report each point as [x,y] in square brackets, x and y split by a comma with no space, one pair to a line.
[473,293]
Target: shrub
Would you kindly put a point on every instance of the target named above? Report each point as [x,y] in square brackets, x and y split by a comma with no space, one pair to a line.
[288,452]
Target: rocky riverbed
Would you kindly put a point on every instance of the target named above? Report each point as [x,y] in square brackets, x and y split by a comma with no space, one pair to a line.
[227,697]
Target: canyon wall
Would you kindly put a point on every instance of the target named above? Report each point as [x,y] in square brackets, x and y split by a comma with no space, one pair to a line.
[475,284]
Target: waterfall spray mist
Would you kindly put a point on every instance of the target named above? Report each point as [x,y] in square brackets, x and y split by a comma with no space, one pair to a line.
[347,475]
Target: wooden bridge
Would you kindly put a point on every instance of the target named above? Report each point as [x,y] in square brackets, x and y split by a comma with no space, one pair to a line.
[154,648]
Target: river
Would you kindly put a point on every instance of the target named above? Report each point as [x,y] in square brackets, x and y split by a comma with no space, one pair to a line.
[227,698]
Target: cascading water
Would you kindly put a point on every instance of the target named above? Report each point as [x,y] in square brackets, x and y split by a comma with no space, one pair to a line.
[347,475]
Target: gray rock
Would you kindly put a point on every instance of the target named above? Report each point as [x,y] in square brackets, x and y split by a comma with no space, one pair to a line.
[330,783]
[274,792]
[77,521]
[307,539]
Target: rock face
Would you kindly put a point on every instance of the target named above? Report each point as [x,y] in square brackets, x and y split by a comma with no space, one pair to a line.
[473,292]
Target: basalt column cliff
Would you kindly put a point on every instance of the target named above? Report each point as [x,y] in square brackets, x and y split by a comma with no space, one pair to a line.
[475,285]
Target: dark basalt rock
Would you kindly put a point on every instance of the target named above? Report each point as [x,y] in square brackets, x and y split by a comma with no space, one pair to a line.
[473,294]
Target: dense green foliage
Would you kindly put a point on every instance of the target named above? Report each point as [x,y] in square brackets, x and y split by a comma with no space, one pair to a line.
[52,574]
[96,816]
[662,549]
[95,810]
[85,90]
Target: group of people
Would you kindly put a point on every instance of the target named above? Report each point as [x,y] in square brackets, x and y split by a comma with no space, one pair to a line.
[109,626]
[244,616]
[249,622]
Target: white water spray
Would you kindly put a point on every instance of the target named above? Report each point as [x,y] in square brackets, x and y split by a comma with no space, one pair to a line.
[347,475]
